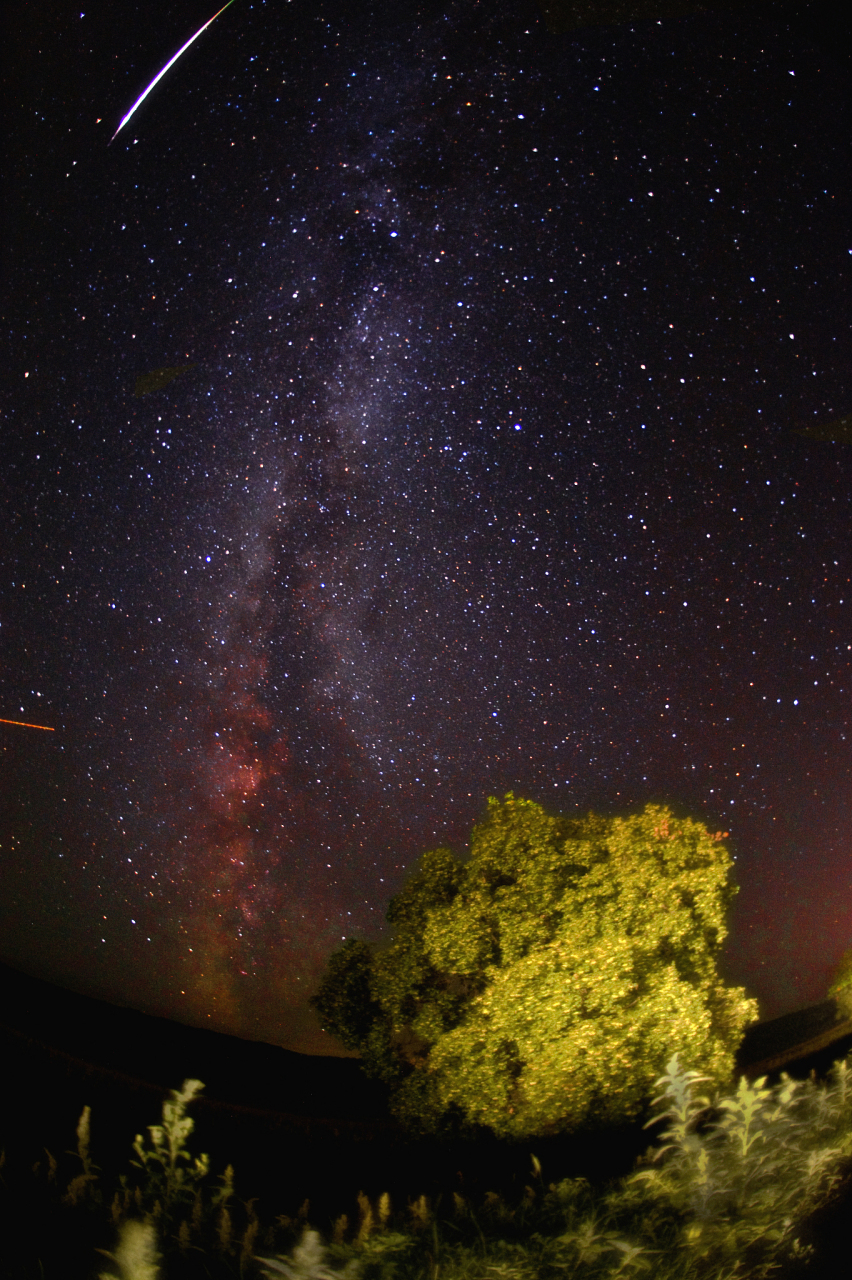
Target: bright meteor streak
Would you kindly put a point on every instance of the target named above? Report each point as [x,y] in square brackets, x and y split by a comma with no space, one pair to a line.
[23,724]
[170,63]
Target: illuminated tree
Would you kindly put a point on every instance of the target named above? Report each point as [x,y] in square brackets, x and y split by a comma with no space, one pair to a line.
[545,982]
[841,986]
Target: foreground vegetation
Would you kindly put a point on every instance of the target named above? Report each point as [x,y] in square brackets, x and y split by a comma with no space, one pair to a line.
[727,1190]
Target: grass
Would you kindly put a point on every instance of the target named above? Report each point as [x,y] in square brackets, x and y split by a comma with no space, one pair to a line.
[726,1192]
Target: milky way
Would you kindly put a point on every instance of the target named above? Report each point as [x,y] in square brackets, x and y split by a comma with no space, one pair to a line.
[483,475]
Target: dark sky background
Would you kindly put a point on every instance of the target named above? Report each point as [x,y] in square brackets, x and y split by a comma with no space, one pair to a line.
[485,475]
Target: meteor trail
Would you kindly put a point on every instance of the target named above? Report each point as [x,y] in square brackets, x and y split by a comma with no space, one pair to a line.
[23,724]
[170,63]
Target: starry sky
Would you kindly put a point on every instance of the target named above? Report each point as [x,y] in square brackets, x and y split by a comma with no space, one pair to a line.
[477,466]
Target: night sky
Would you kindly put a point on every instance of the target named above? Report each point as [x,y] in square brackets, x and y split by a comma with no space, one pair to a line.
[480,470]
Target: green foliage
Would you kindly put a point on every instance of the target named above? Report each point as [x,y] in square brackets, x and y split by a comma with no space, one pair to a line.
[543,983]
[726,1194]
[172,1174]
[734,1183]
[82,1187]
[308,1262]
[136,1254]
[344,1002]
[841,984]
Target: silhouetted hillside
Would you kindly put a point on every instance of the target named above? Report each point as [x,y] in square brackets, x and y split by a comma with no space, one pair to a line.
[807,1038]
[293,1125]
[161,1052]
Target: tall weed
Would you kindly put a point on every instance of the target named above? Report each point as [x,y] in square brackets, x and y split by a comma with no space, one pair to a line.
[308,1261]
[172,1176]
[136,1255]
[734,1181]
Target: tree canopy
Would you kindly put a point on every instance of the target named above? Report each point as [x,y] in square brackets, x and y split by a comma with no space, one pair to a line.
[544,982]
[841,985]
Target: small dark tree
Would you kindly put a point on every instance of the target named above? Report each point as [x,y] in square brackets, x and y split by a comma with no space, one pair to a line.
[344,1001]
[841,985]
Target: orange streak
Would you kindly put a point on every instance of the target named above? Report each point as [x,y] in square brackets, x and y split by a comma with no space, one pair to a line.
[24,725]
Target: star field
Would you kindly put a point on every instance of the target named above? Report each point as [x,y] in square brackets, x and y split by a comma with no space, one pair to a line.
[482,473]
